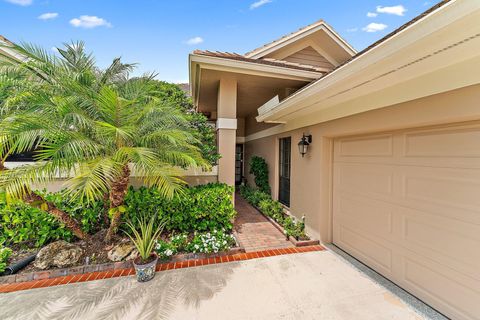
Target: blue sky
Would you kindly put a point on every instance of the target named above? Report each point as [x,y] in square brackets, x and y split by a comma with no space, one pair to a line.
[159,34]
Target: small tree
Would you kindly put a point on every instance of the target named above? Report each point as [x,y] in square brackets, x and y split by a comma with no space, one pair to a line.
[259,168]
[94,127]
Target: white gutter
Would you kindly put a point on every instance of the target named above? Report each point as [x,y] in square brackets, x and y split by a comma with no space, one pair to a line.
[446,14]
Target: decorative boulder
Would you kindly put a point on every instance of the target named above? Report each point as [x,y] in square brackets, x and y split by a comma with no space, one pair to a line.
[120,252]
[132,256]
[59,254]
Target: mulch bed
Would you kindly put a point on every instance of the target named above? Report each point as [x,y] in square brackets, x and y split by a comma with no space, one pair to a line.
[96,250]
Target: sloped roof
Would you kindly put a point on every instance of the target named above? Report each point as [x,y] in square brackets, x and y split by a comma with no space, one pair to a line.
[271,62]
[316,25]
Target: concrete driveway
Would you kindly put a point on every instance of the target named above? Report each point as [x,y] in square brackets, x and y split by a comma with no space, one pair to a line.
[315,285]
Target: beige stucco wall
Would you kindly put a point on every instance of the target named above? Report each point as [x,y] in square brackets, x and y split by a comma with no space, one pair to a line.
[311,192]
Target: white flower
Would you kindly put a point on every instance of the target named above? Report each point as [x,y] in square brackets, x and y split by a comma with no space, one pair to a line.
[168,252]
[196,246]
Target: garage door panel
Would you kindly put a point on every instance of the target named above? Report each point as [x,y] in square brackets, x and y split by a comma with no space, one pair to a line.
[450,142]
[407,204]
[368,250]
[371,180]
[444,289]
[371,146]
[457,190]
[368,215]
[442,243]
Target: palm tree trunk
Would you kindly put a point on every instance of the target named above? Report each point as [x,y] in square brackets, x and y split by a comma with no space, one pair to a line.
[117,197]
[34,199]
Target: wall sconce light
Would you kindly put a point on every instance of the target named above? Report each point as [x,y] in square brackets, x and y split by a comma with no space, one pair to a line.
[304,143]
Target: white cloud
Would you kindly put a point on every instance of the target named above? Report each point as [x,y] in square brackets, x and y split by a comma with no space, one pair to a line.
[352,30]
[372,14]
[396,10]
[259,3]
[89,22]
[21,2]
[374,27]
[48,16]
[194,41]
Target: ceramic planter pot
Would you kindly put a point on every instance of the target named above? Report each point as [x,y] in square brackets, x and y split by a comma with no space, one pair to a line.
[145,272]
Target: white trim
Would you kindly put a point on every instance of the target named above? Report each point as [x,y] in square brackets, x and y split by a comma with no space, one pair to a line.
[246,67]
[435,21]
[278,44]
[226,123]
[269,105]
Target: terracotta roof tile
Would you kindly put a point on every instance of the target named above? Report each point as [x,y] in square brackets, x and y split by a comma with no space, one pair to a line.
[271,62]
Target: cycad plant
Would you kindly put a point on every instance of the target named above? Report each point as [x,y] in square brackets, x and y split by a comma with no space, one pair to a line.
[92,127]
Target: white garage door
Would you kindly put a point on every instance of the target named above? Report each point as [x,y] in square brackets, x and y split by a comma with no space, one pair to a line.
[407,204]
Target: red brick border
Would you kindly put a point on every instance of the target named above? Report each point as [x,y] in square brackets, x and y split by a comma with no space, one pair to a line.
[121,272]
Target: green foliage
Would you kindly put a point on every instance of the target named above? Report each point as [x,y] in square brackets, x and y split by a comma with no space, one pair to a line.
[295,229]
[178,243]
[23,224]
[201,208]
[173,95]
[4,255]
[144,238]
[211,242]
[259,168]
[253,196]
[273,209]
[165,249]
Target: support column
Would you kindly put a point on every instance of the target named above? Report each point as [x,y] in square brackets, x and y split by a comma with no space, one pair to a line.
[227,129]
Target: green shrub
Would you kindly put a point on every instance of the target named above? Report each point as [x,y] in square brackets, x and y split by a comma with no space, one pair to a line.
[273,209]
[253,196]
[295,229]
[201,208]
[21,223]
[259,168]
[4,255]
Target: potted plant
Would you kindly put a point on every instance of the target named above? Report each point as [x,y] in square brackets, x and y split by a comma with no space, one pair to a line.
[144,240]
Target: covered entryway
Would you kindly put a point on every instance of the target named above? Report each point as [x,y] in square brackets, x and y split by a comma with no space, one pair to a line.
[407,204]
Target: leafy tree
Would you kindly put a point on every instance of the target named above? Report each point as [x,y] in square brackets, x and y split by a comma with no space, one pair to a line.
[93,127]
[173,95]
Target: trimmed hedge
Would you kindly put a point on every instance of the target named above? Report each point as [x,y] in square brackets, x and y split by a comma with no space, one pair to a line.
[198,209]
[202,208]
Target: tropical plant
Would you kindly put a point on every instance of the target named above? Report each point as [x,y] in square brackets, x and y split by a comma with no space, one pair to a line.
[93,127]
[259,168]
[145,238]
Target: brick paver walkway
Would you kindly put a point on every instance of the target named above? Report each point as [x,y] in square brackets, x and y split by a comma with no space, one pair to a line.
[254,231]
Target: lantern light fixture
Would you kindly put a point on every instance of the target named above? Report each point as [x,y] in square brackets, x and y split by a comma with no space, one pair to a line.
[304,144]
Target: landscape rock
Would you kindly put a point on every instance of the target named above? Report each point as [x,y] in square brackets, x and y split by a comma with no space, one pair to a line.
[58,254]
[120,252]
[134,255]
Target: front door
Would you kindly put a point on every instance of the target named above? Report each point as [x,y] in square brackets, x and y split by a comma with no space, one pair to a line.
[238,164]
[284,185]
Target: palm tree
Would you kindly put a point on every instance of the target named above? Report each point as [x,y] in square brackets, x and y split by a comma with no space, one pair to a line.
[95,128]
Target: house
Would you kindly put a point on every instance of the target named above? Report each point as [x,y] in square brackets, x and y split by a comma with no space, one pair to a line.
[392,170]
